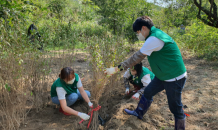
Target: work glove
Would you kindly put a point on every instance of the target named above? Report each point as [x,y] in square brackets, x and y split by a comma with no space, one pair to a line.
[136,96]
[83,116]
[90,105]
[127,91]
[110,71]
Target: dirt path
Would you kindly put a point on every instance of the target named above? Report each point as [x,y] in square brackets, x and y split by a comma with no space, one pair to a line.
[200,95]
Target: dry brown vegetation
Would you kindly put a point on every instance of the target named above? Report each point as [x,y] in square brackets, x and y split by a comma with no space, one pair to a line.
[21,109]
[25,84]
[104,53]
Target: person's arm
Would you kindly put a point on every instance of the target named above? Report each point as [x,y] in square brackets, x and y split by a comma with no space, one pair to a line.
[127,74]
[133,60]
[84,94]
[67,109]
[145,81]
[126,77]
[129,63]
[61,96]
[151,44]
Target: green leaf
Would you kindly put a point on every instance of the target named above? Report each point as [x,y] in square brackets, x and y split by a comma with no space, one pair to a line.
[7,87]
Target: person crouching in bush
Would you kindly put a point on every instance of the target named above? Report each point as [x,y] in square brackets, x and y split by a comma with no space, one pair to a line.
[66,90]
[139,76]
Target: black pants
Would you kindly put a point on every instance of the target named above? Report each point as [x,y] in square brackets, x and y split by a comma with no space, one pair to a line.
[173,91]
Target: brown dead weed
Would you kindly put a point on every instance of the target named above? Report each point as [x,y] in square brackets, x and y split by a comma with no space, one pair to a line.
[200,95]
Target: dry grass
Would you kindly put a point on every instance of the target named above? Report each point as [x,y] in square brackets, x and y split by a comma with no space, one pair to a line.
[25,84]
[104,53]
[100,84]
[25,79]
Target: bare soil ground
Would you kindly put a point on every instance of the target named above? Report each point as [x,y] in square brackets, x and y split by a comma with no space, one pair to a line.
[200,96]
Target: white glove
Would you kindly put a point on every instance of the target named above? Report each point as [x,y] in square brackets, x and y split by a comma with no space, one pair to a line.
[136,96]
[83,116]
[110,71]
[127,91]
[90,105]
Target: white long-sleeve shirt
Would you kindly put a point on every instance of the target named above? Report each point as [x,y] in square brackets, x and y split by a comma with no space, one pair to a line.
[154,44]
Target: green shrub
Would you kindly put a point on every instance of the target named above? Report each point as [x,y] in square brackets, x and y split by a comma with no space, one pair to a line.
[199,38]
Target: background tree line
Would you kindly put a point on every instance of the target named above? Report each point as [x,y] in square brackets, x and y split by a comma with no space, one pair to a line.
[61,22]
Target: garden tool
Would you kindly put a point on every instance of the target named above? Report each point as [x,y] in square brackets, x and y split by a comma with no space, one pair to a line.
[102,122]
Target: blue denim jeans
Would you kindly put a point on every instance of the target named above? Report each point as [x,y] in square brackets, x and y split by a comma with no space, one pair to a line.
[71,98]
[173,92]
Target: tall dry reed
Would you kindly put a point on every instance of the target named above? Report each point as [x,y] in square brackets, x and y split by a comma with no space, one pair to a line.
[26,75]
[104,53]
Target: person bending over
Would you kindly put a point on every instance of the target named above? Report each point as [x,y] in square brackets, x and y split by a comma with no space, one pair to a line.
[166,63]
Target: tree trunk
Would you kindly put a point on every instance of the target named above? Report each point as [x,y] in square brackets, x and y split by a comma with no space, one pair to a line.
[212,18]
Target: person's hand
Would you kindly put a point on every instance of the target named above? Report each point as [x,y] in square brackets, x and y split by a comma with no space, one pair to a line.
[83,116]
[110,71]
[136,96]
[90,105]
[127,91]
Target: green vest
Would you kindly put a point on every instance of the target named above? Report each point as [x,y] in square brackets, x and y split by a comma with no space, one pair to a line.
[166,63]
[69,88]
[137,80]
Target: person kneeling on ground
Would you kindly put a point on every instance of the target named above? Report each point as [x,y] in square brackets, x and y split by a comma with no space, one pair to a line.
[139,76]
[66,90]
